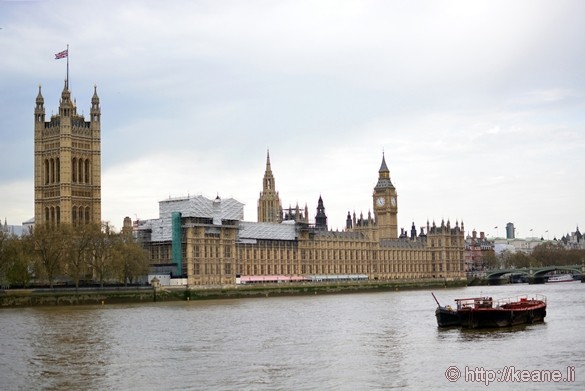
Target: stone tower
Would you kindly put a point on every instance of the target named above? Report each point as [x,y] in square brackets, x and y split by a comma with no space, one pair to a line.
[269,206]
[385,204]
[67,163]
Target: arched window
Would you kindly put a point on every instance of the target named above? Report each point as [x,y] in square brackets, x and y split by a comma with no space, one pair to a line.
[46,172]
[74,215]
[52,215]
[80,171]
[87,171]
[58,168]
[52,171]
[58,213]
[47,215]
[87,215]
[74,170]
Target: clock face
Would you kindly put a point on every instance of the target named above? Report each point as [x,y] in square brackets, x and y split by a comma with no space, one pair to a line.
[380,201]
[393,201]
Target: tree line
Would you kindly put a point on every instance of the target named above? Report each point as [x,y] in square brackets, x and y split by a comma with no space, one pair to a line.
[78,255]
[545,254]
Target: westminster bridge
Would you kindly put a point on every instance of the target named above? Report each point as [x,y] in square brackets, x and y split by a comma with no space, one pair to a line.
[534,275]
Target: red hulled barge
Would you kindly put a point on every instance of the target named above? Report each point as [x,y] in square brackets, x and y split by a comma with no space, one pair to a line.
[484,312]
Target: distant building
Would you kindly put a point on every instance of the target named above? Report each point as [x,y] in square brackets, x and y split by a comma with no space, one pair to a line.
[16,230]
[476,248]
[67,163]
[517,244]
[510,231]
[207,242]
[574,240]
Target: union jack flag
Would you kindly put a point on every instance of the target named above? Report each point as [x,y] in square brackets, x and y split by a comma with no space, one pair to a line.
[62,54]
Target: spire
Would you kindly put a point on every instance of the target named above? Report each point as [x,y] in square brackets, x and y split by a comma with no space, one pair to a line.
[268,167]
[384,167]
[95,111]
[268,177]
[321,217]
[95,98]
[66,107]
[384,181]
[269,206]
[40,107]
[40,99]
[348,224]
[65,89]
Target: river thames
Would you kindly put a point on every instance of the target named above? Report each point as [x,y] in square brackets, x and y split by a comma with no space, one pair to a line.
[358,341]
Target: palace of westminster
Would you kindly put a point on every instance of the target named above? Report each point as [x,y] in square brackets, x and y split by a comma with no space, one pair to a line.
[207,242]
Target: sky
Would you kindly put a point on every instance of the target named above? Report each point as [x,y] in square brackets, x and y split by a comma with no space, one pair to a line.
[477,106]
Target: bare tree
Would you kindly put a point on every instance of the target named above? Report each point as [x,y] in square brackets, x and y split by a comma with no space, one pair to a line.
[20,265]
[549,253]
[51,243]
[4,257]
[101,254]
[521,260]
[80,251]
[489,260]
[130,259]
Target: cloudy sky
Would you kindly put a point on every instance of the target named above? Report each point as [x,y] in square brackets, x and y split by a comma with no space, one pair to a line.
[478,106]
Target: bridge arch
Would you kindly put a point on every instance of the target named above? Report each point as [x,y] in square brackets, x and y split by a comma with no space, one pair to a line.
[538,272]
[494,274]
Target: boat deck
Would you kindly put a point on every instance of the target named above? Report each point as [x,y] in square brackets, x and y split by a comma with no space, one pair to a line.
[512,302]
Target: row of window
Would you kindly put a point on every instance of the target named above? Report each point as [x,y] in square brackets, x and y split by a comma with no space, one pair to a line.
[211,268]
[78,214]
[212,251]
[80,170]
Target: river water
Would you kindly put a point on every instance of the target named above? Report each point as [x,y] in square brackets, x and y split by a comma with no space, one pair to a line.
[359,341]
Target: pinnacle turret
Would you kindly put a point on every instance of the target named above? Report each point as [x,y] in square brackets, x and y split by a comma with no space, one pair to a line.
[95,111]
[40,100]
[321,217]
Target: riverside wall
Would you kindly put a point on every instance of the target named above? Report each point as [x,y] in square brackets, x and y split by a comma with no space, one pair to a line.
[11,298]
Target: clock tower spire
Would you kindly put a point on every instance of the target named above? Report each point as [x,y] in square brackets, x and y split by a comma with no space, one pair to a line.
[385,204]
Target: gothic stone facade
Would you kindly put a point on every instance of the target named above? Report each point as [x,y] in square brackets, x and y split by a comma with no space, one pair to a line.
[67,163]
[216,245]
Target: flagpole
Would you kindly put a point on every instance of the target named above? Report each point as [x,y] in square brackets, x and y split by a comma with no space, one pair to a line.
[68,67]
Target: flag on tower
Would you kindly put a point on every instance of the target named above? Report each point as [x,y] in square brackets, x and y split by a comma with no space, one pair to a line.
[62,54]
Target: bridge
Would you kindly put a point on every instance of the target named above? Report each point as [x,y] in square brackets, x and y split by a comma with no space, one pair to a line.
[534,274]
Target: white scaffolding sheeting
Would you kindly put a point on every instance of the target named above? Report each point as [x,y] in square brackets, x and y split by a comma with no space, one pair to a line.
[196,206]
[199,206]
[161,229]
[268,231]
[217,210]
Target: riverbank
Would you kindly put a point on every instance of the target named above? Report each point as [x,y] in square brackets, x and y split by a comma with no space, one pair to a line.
[102,296]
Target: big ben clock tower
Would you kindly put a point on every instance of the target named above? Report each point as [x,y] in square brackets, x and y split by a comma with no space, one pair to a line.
[385,204]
